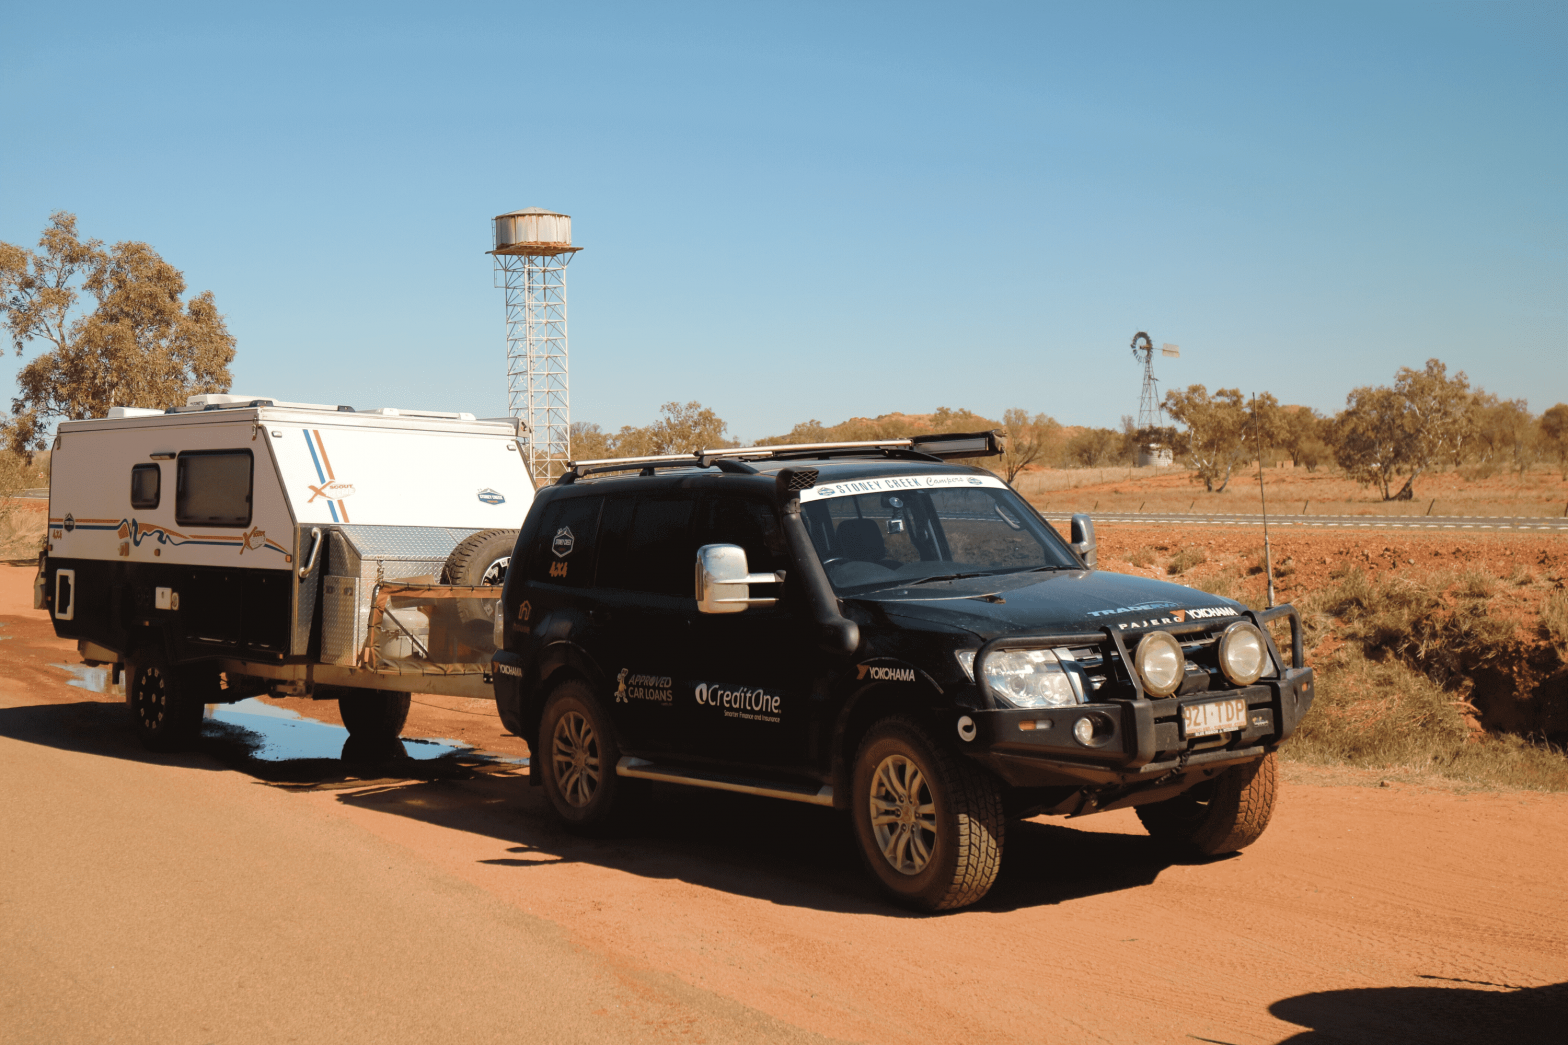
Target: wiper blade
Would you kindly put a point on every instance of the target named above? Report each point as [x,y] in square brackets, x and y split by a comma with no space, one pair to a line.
[951,577]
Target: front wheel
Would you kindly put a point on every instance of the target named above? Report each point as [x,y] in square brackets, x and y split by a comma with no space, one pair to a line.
[930,826]
[1220,815]
[166,702]
[577,758]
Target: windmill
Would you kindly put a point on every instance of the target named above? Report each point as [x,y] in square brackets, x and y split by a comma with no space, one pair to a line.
[1150,413]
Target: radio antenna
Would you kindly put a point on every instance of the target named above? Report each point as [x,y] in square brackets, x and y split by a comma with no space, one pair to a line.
[1268,559]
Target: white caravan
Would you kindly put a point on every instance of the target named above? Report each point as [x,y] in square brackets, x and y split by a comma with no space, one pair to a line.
[239,545]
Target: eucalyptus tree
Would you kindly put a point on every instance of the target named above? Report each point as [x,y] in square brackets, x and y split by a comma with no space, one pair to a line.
[138,344]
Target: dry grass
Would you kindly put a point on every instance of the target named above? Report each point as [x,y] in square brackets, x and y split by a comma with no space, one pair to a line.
[1185,560]
[1554,618]
[1397,659]
[1386,715]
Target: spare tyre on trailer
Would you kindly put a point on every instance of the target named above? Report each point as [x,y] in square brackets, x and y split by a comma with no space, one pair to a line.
[479,560]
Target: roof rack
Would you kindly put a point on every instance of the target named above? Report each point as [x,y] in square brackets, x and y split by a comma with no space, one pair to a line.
[943,447]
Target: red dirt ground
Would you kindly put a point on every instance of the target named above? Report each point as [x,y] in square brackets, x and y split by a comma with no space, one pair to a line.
[1403,913]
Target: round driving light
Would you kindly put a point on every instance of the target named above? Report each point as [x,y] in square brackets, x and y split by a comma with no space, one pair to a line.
[1093,730]
[1243,653]
[1160,663]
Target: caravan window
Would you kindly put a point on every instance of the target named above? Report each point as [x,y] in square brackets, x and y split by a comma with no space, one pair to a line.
[145,482]
[213,488]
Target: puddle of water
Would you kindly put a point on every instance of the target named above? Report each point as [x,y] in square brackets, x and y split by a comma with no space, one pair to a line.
[286,735]
[95,680]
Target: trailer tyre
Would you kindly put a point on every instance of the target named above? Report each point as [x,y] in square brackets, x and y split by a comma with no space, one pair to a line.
[374,715]
[1220,815]
[166,702]
[481,559]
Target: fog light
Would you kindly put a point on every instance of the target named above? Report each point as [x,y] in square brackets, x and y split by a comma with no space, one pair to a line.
[1093,730]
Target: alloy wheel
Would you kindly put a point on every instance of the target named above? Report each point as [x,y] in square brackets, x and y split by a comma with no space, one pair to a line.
[903,815]
[575,758]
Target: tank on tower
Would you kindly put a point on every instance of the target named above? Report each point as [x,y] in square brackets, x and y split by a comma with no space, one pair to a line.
[531,248]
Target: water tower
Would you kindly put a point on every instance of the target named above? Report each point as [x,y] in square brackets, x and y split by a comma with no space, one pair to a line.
[531,249]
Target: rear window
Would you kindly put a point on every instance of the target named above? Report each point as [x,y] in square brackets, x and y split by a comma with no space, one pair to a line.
[146,479]
[213,488]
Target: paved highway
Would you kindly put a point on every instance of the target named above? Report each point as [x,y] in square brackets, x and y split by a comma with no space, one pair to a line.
[1378,522]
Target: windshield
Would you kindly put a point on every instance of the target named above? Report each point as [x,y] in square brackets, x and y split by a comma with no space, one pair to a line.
[909,535]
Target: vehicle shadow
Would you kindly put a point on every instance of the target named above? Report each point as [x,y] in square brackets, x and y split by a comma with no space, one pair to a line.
[783,852]
[281,749]
[1436,1015]
[786,853]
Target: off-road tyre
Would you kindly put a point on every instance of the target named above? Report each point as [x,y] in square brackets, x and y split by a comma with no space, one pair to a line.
[375,715]
[965,825]
[1219,816]
[577,756]
[479,559]
[167,702]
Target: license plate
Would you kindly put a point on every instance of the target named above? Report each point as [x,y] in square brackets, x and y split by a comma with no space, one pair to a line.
[1219,716]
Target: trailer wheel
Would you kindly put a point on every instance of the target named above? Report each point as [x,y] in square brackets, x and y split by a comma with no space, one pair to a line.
[480,559]
[1220,815]
[577,758]
[374,714]
[166,702]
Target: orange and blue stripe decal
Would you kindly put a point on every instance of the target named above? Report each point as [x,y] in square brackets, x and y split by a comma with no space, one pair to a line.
[318,457]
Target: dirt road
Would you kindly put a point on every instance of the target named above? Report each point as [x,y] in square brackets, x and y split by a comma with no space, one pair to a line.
[259,889]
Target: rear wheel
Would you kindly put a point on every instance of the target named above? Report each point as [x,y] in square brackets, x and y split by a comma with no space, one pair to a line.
[374,715]
[577,758]
[930,826]
[1220,815]
[166,702]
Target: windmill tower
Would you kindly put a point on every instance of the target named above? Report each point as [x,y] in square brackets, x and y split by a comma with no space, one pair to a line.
[1150,413]
[532,248]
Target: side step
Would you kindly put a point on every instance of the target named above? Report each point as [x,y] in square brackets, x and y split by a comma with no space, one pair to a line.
[642,769]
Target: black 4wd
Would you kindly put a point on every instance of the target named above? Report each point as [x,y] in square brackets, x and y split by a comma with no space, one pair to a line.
[872,628]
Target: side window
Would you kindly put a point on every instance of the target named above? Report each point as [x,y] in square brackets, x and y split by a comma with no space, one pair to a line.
[748,523]
[648,546]
[145,482]
[563,550]
[213,488]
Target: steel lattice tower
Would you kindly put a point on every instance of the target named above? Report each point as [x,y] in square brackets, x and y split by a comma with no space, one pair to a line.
[532,249]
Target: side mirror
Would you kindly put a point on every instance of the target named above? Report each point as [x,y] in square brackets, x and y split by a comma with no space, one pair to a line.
[724,580]
[1083,540]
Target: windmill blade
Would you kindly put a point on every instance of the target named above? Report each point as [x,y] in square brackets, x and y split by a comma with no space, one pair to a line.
[1168,349]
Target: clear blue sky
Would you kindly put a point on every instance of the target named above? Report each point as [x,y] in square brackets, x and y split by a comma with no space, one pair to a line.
[824,210]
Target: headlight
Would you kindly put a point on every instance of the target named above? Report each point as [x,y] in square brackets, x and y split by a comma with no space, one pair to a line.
[1025,678]
[1160,663]
[1243,653]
